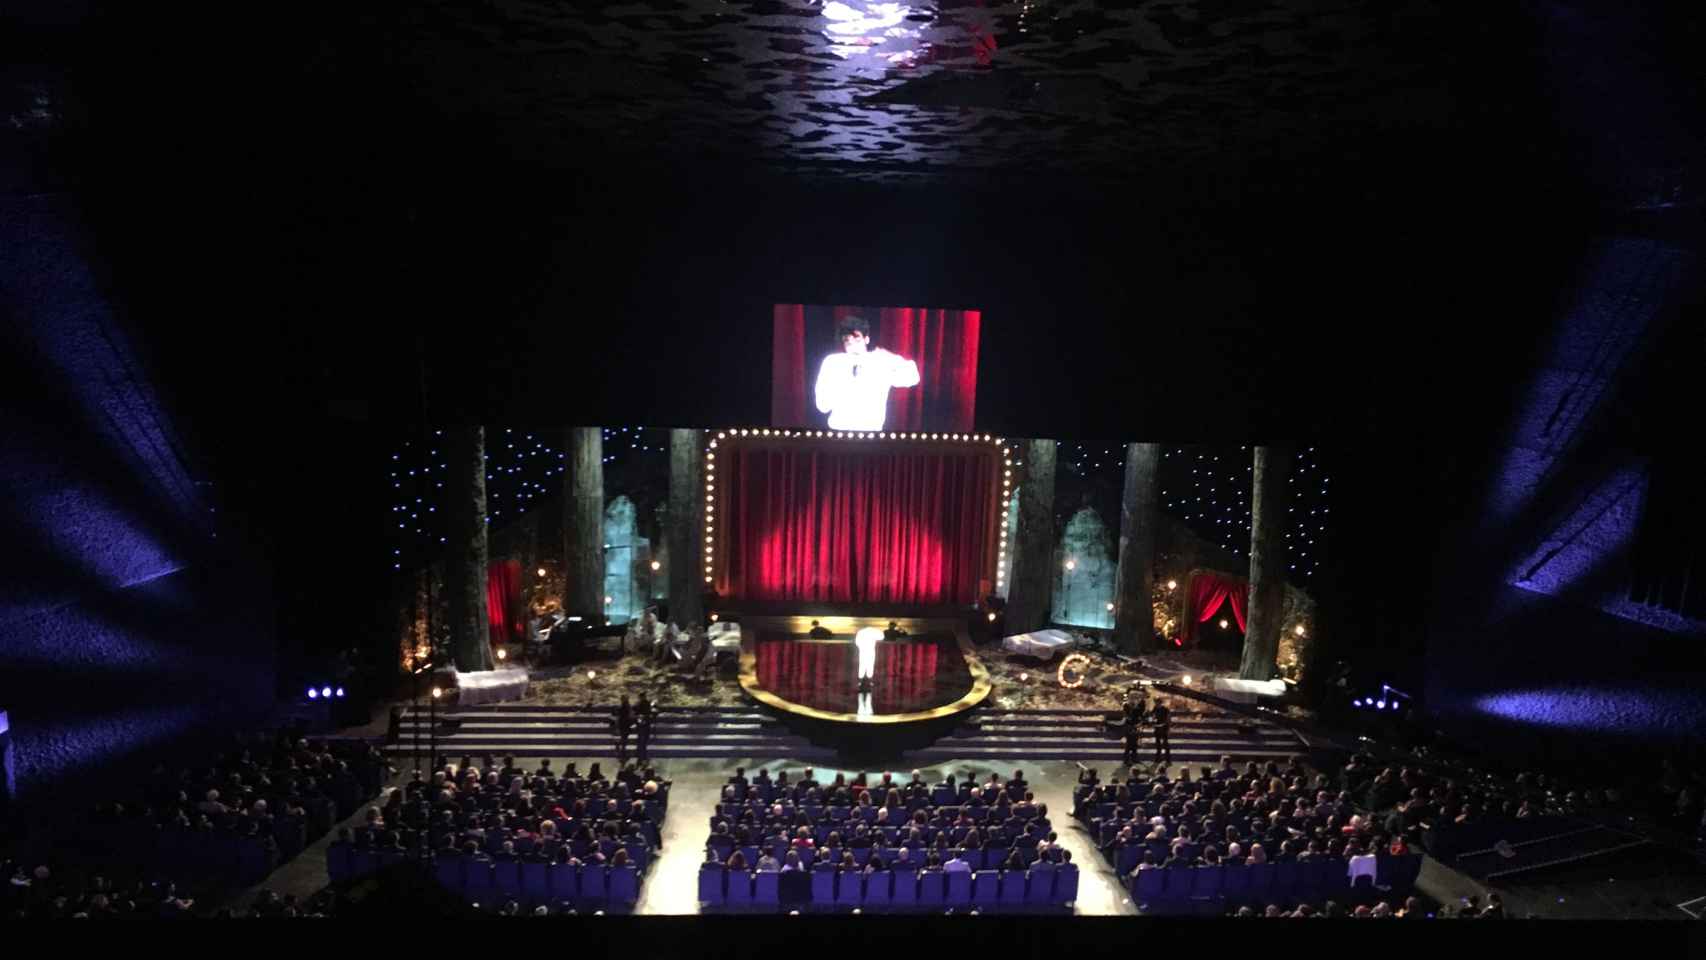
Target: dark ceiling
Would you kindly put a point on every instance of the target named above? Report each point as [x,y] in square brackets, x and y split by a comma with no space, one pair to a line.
[884,90]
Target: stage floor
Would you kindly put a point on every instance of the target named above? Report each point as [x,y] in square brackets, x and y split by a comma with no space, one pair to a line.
[925,676]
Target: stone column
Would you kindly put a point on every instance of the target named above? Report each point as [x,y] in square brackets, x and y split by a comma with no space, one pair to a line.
[583,522]
[686,526]
[1272,466]
[1140,511]
[1030,594]
[465,567]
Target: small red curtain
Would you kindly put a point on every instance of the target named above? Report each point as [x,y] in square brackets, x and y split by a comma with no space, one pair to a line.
[1208,591]
[503,595]
[856,521]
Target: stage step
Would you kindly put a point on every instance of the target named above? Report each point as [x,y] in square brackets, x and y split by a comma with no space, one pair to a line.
[533,730]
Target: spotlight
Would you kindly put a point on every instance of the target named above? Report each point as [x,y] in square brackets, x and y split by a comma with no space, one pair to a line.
[592,674]
[609,600]
[1186,679]
[1024,678]
[1223,624]
[1381,705]
[1071,564]
[437,692]
[1357,702]
[713,618]
[313,694]
[656,566]
[1172,584]
[992,617]
[1298,630]
[1110,608]
[340,691]
[541,571]
[503,655]
[325,691]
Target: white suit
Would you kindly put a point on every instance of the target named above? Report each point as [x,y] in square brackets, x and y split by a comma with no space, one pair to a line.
[853,388]
[866,640]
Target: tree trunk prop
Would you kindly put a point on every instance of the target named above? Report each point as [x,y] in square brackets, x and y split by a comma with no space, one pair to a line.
[1134,611]
[686,526]
[470,624]
[1030,598]
[1271,467]
[583,523]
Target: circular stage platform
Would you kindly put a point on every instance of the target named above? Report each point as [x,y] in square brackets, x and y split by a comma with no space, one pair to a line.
[920,685]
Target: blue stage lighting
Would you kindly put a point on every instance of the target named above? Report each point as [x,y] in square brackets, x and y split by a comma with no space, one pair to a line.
[340,691]
[313,693]
[327,691]
[1381,705]
[1357,702]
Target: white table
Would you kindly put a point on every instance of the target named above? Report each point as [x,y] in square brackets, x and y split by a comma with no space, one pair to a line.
[1046,644]
[491,686]
[724,637]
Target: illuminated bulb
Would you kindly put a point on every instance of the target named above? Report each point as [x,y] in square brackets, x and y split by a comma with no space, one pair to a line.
[1110,608]
[1172,584]
[1223,624]
[1071,565]
[1186,679]
[707,579]
[503,654]
[992,617]
[437,692]
[1024,678]
[1299,630]
[541,571]
[609,600]
[656,565]
[592,674]
[713,618]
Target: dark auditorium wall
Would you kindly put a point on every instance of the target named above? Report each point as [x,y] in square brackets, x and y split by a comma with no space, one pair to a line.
[125,624]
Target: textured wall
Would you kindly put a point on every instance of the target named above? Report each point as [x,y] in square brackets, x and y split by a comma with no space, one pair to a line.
[124,622]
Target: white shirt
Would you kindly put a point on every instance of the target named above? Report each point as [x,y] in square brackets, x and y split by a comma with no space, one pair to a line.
[866,641]
[854,388]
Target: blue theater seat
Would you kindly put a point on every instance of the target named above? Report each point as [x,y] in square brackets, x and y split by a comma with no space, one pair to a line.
[766,891]
[959,889]
[986,889]
[878,888]
[932,889]
[905,889]
[624,889]
[738,892]
[1013,888]
[849,889]
[1066,884]
[711,884]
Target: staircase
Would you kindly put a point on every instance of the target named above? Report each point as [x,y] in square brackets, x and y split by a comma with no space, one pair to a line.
[735,733]
[1077,735]
[520,730]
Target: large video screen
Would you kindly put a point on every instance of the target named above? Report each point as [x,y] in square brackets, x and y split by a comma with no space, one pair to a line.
[871,369]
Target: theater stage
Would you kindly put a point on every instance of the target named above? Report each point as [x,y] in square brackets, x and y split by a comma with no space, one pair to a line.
[920,685]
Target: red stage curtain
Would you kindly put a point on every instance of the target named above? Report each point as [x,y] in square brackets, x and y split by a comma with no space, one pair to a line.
[944,344]
[1208,591]
[503,595]
[854,522]
[789,404]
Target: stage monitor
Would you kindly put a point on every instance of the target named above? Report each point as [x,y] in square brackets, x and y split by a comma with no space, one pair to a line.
[869,369]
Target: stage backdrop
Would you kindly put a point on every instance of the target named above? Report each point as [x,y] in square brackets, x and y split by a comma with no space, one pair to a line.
[942,344]
[855,520]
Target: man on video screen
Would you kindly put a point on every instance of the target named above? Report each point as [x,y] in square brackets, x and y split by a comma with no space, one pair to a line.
[853,385]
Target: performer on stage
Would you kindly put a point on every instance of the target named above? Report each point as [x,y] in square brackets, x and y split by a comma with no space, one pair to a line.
[866,640]
[853,385]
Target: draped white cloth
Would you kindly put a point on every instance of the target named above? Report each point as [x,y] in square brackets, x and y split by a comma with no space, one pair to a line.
[491,686]
[1046,644]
